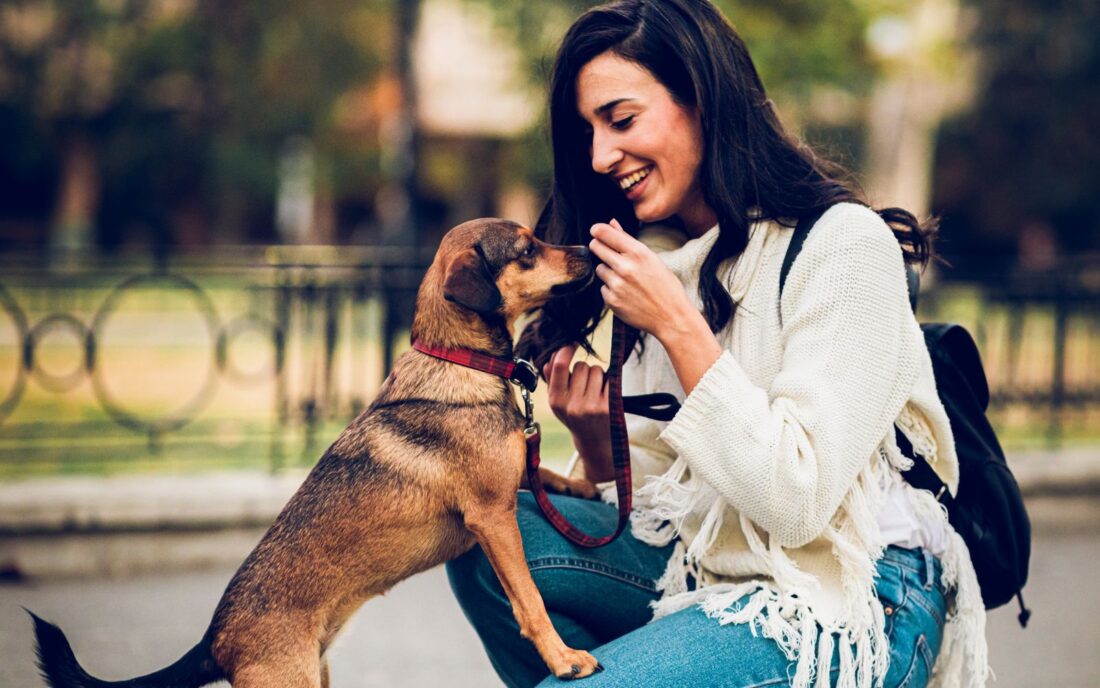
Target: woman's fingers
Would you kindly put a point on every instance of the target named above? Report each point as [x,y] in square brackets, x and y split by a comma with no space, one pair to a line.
[606,254]
[613,236]
[595,389]
[556,372]
[608,276]
[576,395]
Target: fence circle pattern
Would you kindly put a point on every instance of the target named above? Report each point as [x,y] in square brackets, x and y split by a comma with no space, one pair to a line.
[32,362]
[237,328]
[186,411]
[11,308]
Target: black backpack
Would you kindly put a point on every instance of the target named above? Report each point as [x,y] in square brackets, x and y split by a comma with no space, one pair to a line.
[988,511]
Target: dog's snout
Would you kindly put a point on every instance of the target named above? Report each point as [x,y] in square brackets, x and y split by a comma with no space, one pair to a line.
[581,252]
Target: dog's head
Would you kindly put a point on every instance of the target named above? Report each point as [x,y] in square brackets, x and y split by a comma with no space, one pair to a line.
[497,267]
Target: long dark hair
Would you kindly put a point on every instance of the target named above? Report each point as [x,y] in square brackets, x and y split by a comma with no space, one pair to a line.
[749,161]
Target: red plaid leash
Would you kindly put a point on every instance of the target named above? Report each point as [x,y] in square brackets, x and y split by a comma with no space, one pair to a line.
[523,374]
[620,453]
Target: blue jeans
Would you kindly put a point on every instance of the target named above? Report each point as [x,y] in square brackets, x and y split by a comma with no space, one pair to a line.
[598,600]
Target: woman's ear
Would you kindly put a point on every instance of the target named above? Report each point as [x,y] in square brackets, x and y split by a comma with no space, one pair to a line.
[467,283]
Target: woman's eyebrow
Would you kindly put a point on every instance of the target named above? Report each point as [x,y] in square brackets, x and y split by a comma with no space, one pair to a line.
[609,105]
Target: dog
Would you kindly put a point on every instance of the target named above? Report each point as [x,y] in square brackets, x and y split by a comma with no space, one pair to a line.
[409,485]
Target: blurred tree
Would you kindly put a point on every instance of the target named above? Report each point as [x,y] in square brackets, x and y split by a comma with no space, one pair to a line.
[166,117]
[1018,176]
[58,63]
[803,49]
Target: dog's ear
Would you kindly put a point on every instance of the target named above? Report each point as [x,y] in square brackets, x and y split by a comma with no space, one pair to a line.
[468,283]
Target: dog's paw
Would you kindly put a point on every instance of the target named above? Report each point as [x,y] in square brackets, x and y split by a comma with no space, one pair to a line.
[579,487]
[576,664]
[574,487]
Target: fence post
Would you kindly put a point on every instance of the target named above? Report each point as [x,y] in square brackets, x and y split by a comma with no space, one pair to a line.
[1058,374]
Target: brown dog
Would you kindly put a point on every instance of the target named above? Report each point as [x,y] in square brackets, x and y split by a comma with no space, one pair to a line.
[408,485]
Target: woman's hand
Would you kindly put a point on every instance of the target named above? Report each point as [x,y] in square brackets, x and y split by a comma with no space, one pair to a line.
[579,400]
[643,292]
[637,286]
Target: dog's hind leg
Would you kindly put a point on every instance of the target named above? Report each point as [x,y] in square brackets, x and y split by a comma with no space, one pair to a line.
[298,671]
[324,672]
[496,530]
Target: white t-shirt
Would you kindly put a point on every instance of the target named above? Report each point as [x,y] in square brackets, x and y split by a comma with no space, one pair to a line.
[899,523]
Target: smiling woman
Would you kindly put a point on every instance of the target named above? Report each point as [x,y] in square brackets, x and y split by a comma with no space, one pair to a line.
[646,141]
[773,540]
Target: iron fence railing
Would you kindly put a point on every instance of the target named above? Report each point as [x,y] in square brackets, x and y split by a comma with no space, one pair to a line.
[1039,334]
[275,343]
[305,309]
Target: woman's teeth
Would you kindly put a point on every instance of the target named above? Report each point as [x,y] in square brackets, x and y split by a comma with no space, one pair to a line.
[627,182]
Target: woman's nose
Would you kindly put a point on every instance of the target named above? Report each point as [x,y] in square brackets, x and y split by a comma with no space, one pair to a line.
[605,154]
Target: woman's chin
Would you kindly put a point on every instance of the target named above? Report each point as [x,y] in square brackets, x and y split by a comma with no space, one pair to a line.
[648,212]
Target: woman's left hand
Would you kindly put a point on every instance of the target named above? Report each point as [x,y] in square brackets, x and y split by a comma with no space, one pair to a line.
[637,286]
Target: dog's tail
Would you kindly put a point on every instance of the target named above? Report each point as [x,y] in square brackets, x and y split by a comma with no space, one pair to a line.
[61,670]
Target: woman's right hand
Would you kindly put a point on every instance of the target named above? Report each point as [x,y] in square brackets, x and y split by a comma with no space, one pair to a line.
[579,400]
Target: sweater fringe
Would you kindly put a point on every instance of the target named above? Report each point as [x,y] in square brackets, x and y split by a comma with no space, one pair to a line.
[779,605]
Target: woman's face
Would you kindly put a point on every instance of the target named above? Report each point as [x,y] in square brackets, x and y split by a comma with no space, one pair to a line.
[650,145]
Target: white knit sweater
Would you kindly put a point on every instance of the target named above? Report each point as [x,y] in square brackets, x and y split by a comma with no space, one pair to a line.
[770,477]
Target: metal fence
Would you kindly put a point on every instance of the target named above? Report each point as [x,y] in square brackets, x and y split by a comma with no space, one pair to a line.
[248,355]
[1039,335]
[278,342]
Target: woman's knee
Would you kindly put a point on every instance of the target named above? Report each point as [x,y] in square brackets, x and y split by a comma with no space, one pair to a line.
[472,575]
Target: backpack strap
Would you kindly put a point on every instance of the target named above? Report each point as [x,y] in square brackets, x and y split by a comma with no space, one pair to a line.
[801,231]
[798,238]
[921,475]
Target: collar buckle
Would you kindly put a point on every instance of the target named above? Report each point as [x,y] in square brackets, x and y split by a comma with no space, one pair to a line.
[524,374]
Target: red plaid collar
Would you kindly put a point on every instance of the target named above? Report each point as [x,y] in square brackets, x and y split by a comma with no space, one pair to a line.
[515,370]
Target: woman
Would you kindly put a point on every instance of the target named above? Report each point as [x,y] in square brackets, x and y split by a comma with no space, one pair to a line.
[773,541]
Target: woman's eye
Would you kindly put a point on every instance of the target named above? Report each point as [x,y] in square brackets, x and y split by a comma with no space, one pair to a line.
[623,123]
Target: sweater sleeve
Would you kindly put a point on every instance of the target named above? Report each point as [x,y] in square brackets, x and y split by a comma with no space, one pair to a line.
[786,456]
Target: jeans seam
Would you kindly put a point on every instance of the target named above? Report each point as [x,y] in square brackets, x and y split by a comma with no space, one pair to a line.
[593,567]
[920,653]
[786,680]
[771,682]
[902,563]
[903,584]
[926,653]
[928,607]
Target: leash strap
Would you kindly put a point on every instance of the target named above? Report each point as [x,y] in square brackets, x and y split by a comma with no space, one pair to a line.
[620,452]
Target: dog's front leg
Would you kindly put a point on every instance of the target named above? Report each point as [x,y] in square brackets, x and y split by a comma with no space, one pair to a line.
[496,530]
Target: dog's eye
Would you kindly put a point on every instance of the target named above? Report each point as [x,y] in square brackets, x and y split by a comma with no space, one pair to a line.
[530,250]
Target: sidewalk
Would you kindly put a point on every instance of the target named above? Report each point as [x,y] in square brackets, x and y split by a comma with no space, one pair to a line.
[91,525]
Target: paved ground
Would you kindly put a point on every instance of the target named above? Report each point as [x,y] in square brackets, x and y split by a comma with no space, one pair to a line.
[132,567]
[416,635]
[120,628]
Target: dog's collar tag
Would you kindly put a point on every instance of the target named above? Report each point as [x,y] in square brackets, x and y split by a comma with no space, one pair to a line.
[524,374]
[530,426]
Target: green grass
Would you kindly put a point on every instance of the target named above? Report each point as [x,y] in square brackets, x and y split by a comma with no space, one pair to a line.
[97,449]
